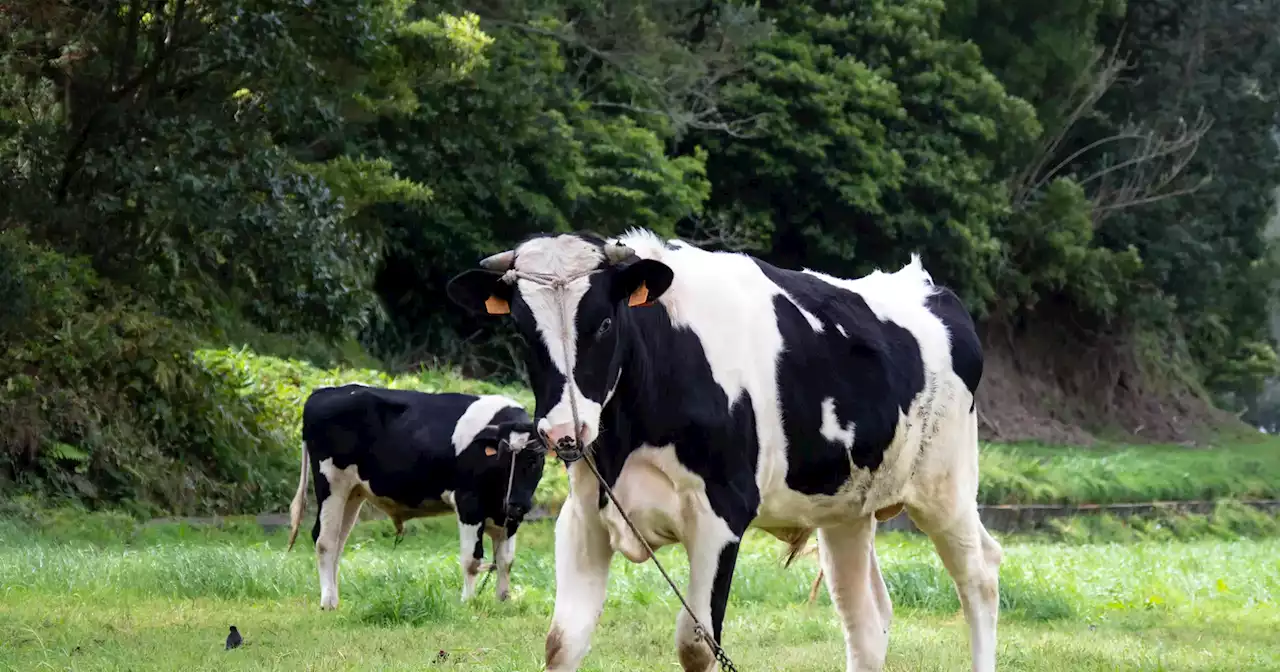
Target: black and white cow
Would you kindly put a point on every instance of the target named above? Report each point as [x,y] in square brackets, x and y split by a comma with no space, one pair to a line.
[723,393]
[413,455]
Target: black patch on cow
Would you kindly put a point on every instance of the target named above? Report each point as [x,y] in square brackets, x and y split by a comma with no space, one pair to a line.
[667,395]
[721,586]
[966,348]
[401,441]
[322,491]
[872,371]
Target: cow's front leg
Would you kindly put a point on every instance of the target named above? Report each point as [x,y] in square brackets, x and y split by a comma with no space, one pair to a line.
[504,554]
[470,543]
[582,576]
[713,552]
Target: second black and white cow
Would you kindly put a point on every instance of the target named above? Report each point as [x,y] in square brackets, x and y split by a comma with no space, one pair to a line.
[412,455]
[720,393]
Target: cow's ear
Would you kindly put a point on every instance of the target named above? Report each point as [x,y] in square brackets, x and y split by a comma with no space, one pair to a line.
[489,435]
[481,292]
[642,282]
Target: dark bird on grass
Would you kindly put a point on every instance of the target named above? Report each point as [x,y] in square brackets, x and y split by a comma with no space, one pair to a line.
[233,639]
[442,656]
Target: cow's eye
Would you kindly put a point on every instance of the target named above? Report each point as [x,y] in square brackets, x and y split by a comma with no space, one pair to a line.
[604,327]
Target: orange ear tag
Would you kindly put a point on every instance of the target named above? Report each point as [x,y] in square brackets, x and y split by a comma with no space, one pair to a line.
[496,306]
[640,297]
[490,451]
[552,452]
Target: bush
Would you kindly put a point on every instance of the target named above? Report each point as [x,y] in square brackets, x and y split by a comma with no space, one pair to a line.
[104,404]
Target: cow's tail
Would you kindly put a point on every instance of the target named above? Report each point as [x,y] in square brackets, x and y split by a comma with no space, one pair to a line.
[299,503]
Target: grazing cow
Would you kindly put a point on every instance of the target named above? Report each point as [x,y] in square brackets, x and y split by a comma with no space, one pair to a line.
[721,393]
[413,455]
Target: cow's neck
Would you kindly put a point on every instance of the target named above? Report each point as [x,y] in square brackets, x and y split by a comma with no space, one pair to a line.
[649,392]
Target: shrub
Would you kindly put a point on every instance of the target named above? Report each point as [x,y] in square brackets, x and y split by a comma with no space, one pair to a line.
[104,404]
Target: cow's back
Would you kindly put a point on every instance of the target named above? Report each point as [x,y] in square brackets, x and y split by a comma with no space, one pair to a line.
[400,441]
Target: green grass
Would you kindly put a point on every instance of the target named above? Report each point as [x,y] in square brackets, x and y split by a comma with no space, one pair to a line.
[163,601]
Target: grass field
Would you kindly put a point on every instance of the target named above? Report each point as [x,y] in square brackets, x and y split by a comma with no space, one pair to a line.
[164,601]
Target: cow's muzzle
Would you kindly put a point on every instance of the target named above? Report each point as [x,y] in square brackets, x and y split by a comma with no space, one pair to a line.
[567,447]
[516,512]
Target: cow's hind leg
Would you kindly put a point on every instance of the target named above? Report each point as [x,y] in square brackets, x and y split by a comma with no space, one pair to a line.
[972,558]
[847,554]
[350,515]
[331,533]
[470,555]
[946,509]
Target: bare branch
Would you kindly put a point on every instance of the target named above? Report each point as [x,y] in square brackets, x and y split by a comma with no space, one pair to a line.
[1154,197]
[1086,92]
[717,230]
[682,89]
[1148,160]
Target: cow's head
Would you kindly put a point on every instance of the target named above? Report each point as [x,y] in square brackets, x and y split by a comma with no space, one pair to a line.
[570,296]
[487,462]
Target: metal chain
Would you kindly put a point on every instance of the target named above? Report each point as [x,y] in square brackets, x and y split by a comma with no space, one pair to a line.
[558,285]
[485,581]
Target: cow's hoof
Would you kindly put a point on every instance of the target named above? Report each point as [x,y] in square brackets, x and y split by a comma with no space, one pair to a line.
[503,595]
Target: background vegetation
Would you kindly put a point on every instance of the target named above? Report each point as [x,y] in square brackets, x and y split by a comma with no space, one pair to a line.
[301,179]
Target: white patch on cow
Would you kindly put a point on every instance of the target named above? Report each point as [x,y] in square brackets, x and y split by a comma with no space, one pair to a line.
[468,536]
[564,257]
[831,428]
[518,440]
[727,302]
[840,328]
[478,416]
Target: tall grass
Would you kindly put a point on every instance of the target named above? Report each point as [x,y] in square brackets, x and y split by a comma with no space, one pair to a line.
[1025,474]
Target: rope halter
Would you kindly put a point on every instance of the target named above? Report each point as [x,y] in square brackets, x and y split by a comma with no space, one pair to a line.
[567,448]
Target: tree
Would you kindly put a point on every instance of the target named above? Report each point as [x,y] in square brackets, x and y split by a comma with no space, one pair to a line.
[880,136]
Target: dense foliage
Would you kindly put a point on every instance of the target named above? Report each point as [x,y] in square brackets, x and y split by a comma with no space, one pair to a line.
[300,175]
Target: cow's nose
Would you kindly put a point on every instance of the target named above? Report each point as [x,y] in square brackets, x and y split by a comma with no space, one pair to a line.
[559,433]
[517,511]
